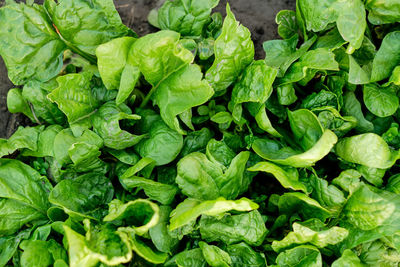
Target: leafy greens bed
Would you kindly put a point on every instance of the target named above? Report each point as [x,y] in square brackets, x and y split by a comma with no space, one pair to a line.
[178,148]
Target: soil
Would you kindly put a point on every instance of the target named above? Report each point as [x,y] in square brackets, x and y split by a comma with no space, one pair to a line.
[257,15]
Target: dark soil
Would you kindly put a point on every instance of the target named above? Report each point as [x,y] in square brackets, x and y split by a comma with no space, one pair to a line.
[257,15]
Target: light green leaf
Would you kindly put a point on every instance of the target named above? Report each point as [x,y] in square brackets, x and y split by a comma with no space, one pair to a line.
[190,209]
[234,51]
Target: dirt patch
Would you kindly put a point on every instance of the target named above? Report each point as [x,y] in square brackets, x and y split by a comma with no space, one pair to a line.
[257,15]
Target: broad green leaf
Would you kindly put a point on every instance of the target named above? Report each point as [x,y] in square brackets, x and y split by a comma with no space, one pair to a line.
[23,138]
[230,229]
[41,253]
[36,94]
[74,96]
[19,204]
[16,103]
[234,51]
[374,210]
[158,55]
[352,107]
[144,251]
[287,24]
[160,236]
[9,245]
[386,58]
[215,256]
[84,196]
[382,102]
[45,142]
[282,54]
[382,12]
[200,178]
[112,59]
[139,214]
[348,259]
[366,149]
[186,83]
[185,16]
[163,193]
[301,256]
[193,257]
[255,84]
[85,25]
[65,139]
[30,47]
[101,244]
[106,123]
[242,255]
[116,69]
[274,152]
[312,232]
[162,144]
[191,209]
[308,64]
[290,203]
[288,177]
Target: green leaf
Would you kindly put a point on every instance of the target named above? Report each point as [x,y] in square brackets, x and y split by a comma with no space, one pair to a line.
[290,203]
[84,25]
[310,62]
[36,94]
[312,232]
[31,49]
[386,58]
[366,149]
[349,259]
[234,51]
[163,144]
[193,257]
[287,24]
[255,84]
[352,107]
[116,69]
[282,54]
[200,178]
[74,96]
[41,253]
[371,209]
[20,205]
[301,256]
[9,245]
[222,117]
[382,12]
[17,103]
[186,17]
[274,152]
[45,142]
[288,177]
[106,123]
[230,229]
[382,102]
[160,236]
[84,196]
[65,139]
[190,209]
[23,138]
[139,214]
[158,55]
[242,255]
[163,193]
[215,256]
[147,253]
[101,244]
[186,83]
